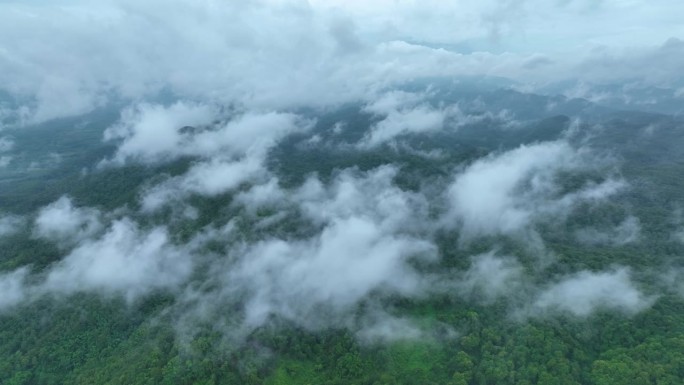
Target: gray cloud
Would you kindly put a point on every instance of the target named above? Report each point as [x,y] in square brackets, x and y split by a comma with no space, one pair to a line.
[490,277]
[207,178]
[230,153]
[331,54]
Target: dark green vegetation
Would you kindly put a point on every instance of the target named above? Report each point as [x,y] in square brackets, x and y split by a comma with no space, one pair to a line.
[93,339]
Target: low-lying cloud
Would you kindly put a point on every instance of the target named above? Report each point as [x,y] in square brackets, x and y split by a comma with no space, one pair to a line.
[125,260]
[60,221]
[364,247]
[583,293]
[119,259]
[13,288]
[229,149]
[508,192]
[627,231]
[402,113]
[335,270]
[367,239]
[490,277]
[10,224]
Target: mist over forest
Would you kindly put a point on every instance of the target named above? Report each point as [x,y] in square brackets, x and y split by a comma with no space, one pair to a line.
[342,192]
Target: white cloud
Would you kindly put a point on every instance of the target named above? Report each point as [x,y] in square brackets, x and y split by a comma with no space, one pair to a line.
[490,277]
[606,64]
[125,260]
[60,221]
[208,178]
[585,292]
[262,195]
[628,231]
[335,270]
[155,133]
[13,288]
[229,153]
[383,328]
[403,113]
[506,193]
[10,224]
[152,133]
[363,247]
[371,195]
[367,235]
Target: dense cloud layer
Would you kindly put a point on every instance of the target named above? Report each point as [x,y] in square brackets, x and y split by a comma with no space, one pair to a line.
[237,52]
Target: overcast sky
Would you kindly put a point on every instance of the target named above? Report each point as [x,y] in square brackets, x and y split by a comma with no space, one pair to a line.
[66,57]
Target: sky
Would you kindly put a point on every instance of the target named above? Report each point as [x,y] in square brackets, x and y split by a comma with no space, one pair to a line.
[67,57]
